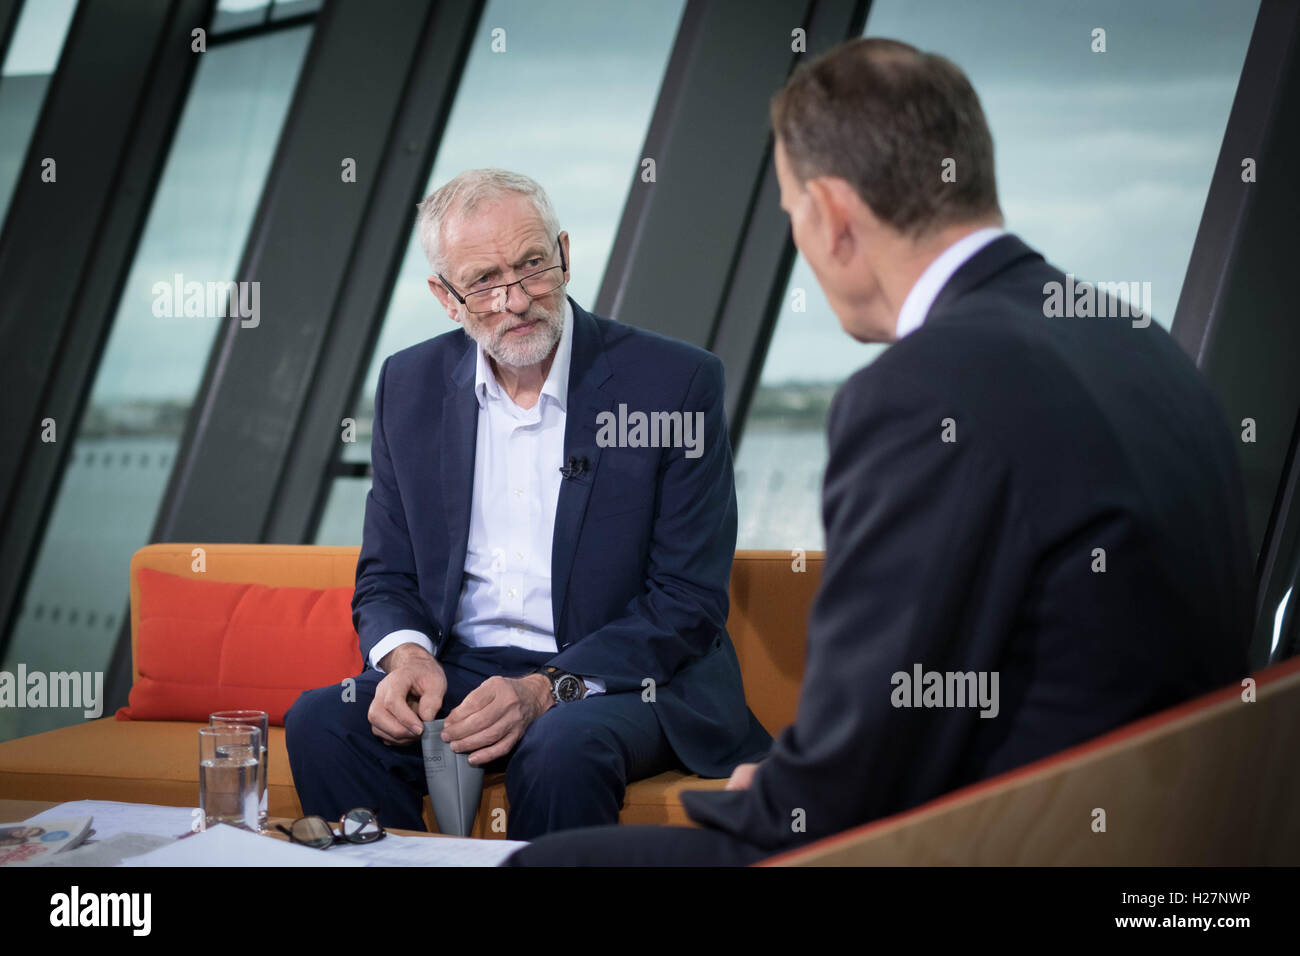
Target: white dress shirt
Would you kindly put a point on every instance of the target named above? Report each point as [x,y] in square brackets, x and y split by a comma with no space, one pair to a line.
[916,307]
[505,597]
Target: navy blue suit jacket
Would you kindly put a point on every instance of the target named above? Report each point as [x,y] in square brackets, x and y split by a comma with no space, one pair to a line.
[644,540]
[980,554]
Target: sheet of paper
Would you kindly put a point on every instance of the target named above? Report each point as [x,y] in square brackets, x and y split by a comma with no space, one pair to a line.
[110,852]
[112,818]
[394,850]
[227,846]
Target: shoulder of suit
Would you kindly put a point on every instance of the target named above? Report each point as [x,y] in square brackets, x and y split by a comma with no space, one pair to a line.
[931,350]
[628,345]
[985,341]
[440,352]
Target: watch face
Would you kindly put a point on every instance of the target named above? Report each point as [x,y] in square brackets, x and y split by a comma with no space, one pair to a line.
[567,688]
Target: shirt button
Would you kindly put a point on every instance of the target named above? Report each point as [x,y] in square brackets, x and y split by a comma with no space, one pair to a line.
[519,555]
[513,592]
[519,492]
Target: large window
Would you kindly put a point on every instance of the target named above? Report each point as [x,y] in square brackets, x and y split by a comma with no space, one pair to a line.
[561,91]
[125,443]
[28,68]
[1104,162]
[248,14]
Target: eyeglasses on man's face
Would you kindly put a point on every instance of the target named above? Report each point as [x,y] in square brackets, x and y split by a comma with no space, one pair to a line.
[493,299]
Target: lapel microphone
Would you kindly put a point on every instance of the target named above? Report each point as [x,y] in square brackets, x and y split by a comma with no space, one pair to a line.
[576,466]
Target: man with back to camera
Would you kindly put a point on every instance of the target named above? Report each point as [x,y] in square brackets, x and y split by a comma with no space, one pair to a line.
[562,603]
[1054,502]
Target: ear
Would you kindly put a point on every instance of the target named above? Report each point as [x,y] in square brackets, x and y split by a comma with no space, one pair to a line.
[835,204]
[446,298]
[564,243]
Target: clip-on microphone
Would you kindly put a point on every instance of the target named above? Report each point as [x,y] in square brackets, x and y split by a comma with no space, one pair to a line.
[576,466]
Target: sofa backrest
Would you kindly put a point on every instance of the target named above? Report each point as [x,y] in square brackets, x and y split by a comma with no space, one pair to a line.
[771,592]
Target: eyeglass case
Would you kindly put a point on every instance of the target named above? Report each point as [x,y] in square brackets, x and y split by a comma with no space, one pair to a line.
[455,786]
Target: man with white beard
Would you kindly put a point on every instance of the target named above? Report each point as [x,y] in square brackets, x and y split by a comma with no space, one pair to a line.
[562,603]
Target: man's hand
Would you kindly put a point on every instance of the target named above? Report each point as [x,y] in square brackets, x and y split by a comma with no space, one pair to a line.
[741,777]
[491,719]
[410,694]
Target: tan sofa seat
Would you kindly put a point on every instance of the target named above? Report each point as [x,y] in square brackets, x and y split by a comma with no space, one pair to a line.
[137,761]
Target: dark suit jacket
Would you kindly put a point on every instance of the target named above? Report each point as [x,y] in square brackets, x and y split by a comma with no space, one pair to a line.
[1072,434]
[644,540]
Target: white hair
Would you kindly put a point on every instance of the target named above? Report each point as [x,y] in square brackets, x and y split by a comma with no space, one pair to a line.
[462,195]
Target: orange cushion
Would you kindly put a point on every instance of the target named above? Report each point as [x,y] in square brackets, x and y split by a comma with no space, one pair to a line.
[208,645]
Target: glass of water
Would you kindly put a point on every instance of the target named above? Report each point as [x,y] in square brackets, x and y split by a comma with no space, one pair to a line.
[250,718]
[228,762]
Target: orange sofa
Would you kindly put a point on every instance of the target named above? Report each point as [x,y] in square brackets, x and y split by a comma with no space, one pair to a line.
[155,761]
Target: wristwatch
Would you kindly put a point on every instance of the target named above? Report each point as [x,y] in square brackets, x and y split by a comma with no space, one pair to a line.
[565,688]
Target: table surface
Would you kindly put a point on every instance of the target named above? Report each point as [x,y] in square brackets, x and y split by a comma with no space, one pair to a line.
[22,809]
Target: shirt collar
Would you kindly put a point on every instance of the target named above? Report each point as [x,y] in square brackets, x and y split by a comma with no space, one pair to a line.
[916,307]
[557,380]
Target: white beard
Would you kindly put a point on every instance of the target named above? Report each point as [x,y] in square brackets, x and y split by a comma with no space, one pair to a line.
[526,352]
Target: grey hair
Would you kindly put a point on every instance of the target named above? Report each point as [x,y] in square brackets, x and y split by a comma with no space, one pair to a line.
[465,193]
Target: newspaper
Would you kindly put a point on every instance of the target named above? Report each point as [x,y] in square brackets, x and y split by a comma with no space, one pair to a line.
[32,842]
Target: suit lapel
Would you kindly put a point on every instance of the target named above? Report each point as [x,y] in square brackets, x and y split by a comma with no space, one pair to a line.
[459,440]
[589,372]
